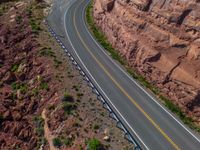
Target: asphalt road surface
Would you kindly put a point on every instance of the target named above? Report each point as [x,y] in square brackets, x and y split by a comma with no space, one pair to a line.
[150,123]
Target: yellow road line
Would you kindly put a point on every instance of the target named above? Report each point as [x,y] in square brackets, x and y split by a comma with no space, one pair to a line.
[123,91]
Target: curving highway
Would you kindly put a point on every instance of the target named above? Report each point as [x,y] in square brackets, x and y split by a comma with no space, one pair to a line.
[150,123]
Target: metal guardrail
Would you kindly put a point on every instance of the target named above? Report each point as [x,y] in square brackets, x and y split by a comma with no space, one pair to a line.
[106,105]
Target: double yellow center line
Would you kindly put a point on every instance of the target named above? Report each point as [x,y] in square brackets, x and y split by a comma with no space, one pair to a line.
[121,89]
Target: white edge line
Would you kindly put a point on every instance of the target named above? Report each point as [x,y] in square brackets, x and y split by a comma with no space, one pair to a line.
[102,49]
[99,86]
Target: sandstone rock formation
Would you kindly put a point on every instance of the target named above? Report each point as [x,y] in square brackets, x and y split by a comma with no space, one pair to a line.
[161,40]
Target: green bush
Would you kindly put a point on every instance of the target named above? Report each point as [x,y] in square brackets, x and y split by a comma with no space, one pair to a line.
[57,142]
[94,144]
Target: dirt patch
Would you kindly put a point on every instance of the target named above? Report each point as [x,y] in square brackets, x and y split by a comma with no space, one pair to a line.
[47,133]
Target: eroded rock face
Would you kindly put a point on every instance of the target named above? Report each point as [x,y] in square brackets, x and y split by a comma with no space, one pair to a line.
[160,39]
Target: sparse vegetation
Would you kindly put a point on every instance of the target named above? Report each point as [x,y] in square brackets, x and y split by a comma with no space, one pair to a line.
[77,124]
[60,140]
[57,63]
[67,141]
[34,25]
[44,86]
[101,38]
[75,87]
[47,52]
[3,8]
[35,91]
[39,123]
[19,86]
[69,107]
[14,67]
[51,107]
[41,141]
[81,148]
[29,11]
[35,13]
[39,130]
[18,19]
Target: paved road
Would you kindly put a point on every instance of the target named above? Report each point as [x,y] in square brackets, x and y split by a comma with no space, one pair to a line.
[147,120]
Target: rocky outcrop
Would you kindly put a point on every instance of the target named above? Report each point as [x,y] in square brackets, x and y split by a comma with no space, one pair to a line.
[161,40]
[20,95]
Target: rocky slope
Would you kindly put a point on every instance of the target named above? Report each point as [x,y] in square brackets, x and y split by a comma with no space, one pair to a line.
[44,102]
[161,40]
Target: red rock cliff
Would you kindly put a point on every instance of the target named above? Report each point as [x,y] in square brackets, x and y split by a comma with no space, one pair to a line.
[161,40]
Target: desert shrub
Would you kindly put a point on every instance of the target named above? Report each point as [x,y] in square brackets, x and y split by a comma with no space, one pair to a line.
[57,63]
[94,144]
[79,95]
[96,127]
[57,142]
[69,107]
[67,97]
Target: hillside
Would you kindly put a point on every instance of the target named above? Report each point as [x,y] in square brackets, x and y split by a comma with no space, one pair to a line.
[160,39]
